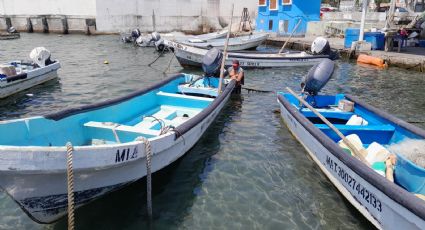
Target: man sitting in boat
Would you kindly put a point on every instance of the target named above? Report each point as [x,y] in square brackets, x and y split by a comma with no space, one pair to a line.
[236,72]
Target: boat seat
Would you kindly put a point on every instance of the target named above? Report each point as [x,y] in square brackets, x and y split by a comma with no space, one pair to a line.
[175,95]
[183,101]
[368,133]
[329,113]
[121,128]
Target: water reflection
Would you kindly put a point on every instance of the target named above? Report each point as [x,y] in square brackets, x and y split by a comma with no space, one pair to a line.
[247,171]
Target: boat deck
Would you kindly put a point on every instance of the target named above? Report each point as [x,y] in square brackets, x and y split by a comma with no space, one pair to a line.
[173,110]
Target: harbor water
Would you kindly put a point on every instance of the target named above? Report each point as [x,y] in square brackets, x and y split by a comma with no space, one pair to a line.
[246,172]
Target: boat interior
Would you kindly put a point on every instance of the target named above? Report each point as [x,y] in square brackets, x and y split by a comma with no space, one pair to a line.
[147,115]
[367,130]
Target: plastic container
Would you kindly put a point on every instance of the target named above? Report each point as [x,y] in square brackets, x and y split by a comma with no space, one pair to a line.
[366,59]
[377,39]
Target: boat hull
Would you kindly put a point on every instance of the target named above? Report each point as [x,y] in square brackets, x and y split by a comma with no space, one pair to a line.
[238,43]
[97,169]
[33,78]
[192,56]
[379,208]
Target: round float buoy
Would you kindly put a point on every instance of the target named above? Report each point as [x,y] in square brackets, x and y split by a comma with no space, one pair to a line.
[366,59]
[106,62]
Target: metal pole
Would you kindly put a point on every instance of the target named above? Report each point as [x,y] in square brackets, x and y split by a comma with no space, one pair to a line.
[364,9]
[220,84]
[293,31]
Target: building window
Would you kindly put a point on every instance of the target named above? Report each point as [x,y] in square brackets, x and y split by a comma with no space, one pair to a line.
[273,5]
[286,2]
[262,2]
[270,24]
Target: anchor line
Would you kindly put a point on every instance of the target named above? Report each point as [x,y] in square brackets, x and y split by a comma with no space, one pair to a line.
[70,179]
[148,150]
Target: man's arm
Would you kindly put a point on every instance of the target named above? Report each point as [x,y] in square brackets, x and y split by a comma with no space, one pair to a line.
[240,76]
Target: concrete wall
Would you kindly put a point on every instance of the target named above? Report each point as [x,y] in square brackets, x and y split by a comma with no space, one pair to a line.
[58,16]
[121,15]
[354,16]
[48,7]
[168,15]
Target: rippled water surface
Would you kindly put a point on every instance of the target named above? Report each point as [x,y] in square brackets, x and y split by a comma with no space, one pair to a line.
[246,172]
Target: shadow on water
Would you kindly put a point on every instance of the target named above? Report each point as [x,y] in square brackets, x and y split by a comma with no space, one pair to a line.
[174,187]
[12,106]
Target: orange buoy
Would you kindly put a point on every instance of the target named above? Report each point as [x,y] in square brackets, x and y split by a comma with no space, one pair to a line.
[366,59]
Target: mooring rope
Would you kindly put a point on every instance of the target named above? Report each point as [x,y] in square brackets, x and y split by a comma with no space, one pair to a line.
[148,150]
[169,63]
[70,178]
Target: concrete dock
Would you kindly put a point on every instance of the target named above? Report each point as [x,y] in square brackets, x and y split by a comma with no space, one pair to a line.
[411,58]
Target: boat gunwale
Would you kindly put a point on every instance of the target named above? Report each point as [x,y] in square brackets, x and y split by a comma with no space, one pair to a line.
[185,127]
[181,129]
[393,191]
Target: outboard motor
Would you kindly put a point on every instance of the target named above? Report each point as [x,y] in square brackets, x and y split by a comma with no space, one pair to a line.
[320,46]
[155,36]
[211,62]
[12,30]
[160,45]
[317,77]
[135,34]
[127,39]
[41,56]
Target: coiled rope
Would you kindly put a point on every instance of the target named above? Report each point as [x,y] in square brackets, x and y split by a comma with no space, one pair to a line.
[148,150]
[70,178]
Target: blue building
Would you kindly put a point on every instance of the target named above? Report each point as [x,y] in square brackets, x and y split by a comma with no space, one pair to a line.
[281,16]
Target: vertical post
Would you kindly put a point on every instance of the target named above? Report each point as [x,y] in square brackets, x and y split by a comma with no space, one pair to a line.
[153,20]
[220,84]
[364,10]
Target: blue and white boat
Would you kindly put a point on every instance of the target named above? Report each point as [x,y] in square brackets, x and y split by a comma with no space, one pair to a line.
[108,141]
[386,204]
[17,76]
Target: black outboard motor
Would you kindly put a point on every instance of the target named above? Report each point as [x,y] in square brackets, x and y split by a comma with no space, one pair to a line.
[135,34]
[317,77]
[211,62]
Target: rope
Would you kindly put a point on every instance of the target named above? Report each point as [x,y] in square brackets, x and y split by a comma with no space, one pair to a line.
[169,63]
[116,135]
[148,150]
[162,52]
[70,178]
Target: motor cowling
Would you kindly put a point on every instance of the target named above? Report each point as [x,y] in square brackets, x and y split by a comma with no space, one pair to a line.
[320,46]
[155,36]
[12,30]
[40,56]
[317,77]
[211,62]
[160,45]
[135,33]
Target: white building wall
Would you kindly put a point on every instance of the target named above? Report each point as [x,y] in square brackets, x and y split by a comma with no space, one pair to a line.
[184,15]
[124,15]
[48,7]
